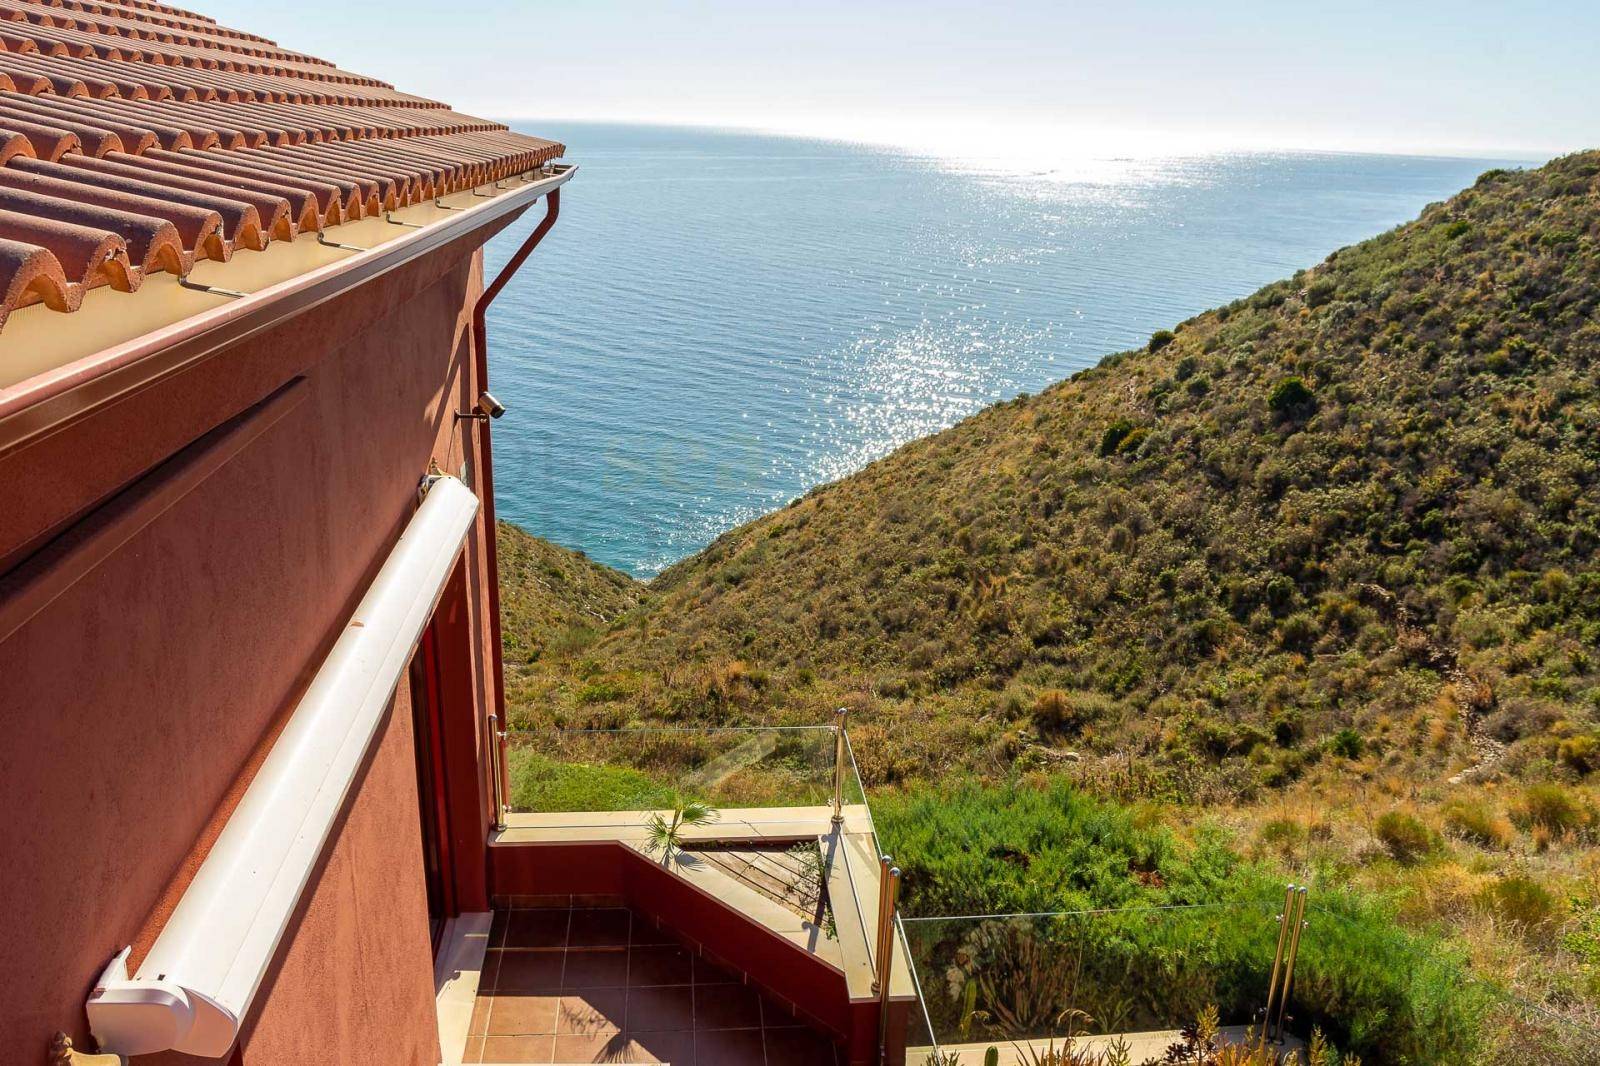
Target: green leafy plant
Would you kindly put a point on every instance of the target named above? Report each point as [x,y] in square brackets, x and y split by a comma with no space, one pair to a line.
[664,832]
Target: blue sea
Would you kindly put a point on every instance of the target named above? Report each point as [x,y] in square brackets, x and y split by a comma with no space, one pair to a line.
[722,320]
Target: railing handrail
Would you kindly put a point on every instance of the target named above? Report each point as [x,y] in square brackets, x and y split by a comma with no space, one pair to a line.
[1088,912]
[675,729]
[855,897]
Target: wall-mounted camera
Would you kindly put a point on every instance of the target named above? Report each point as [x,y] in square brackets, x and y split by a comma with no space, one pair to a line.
[486,408]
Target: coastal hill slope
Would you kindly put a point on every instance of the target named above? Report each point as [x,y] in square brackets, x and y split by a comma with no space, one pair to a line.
[1354,515]
[1307,589]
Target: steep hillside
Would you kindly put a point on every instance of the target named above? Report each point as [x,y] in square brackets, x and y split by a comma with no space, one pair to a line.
[552,600]
[1356,511]
[1308,588]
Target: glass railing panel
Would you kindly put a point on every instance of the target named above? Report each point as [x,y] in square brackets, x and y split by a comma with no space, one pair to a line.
[1520,1031]
[657,768]
[921,1043]
[1085,976]
[1382,991]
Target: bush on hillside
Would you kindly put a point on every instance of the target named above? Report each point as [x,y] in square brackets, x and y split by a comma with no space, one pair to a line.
[1292,398]
[1404,836]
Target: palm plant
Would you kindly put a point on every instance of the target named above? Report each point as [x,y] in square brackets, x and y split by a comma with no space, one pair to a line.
[664,832]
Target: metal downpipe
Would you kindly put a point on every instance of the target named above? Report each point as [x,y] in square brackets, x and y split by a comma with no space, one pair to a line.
[480,346]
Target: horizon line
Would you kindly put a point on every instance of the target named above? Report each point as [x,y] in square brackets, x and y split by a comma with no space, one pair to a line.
[1498,155]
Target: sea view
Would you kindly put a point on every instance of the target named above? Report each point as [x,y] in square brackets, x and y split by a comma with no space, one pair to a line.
[1029,534]
[723,320]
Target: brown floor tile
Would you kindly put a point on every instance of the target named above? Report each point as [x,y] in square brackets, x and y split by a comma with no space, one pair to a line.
[536,929]
[528,971]
[726,1007]
[518,1049]
[799,1047]
[599,1047]
[595,1010]
[600,1000]
[660,965]
[600,968]
[728,1047]
[480,1015]
[490,971]
[645,933]
[707,972]
[517,1014]
[661,1008]
[776,1014]
[676,1048]
[600,928]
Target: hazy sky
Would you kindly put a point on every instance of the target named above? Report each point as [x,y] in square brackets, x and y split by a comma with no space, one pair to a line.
[1019,77]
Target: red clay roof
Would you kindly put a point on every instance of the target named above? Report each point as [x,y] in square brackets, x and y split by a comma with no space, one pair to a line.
[137,137]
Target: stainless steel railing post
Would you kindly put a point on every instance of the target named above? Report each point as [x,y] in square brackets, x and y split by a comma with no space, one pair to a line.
[838,765]
[1299,924]
[496,738]
[888,896]
[1277,961]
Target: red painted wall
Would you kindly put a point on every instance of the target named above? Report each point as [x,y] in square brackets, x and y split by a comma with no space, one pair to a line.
[142,678]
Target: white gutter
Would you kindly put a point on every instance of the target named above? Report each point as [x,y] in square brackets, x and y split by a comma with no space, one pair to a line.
[196,985]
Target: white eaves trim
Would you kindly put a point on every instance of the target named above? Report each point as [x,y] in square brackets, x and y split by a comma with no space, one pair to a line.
[196,985]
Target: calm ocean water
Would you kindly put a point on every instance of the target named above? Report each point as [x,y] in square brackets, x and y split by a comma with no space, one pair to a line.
[721,320]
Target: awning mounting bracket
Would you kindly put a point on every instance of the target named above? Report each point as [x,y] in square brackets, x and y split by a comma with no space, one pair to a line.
[215,290]
[323,240]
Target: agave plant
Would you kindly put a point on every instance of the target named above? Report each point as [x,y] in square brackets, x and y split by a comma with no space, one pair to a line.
[664,832]
[1013,980]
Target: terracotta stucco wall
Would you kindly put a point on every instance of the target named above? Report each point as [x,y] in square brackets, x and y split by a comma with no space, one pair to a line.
[140,685]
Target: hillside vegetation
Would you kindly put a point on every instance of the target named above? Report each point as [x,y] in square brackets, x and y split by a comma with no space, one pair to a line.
[1315,574]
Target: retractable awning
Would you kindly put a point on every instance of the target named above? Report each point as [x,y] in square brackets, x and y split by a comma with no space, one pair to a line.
[194,988]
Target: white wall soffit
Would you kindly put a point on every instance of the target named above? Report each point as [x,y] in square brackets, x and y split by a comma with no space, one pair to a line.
[197,983]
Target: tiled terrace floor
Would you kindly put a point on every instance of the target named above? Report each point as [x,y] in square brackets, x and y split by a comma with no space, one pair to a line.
[604,985]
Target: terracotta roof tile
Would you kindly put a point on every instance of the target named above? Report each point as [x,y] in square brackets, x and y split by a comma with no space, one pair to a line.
[139,137]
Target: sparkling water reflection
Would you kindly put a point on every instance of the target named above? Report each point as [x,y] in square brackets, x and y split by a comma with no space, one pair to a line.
[721,321]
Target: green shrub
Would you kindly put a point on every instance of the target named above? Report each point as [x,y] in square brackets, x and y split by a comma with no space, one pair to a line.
[1580,753]
[1299,631]
[1382,992]
[1055,711]
[1321,291]
[1553,808]
[1521,901]
[1347,744]
[1479,823]
[971,848]
[1160,339]
[1282,834]
[1114,435]
[1404,836]
[1292,398]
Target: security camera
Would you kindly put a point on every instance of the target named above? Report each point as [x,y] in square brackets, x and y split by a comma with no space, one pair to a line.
[486,408]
